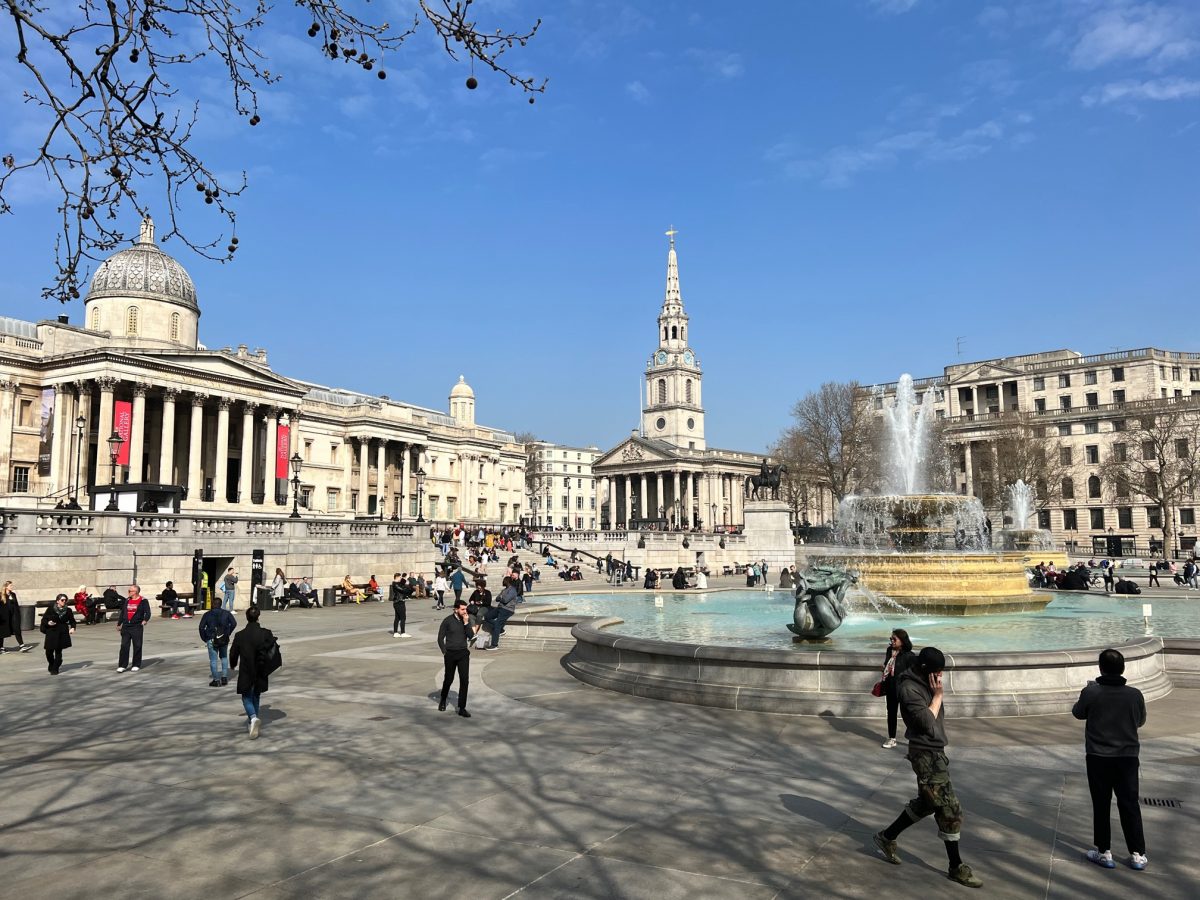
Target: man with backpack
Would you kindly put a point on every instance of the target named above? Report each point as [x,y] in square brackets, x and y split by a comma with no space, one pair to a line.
[216,627]
[255,654]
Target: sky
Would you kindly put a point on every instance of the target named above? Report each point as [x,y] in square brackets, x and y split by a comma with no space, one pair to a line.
[861,188]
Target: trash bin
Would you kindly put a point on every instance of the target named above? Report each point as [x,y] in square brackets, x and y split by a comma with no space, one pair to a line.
[262,597]
[27,615]
[329,596]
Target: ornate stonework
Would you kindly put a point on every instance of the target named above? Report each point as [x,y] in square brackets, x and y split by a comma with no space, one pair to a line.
[632,453]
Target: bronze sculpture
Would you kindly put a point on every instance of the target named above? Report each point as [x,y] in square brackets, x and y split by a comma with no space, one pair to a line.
[769,478]
[820,591]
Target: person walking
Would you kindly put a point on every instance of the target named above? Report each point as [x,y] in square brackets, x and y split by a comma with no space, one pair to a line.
[1114,711]
[921,696]
[228,587]
[245,655]
[216,627]
[458,581]
[279,590]
[896,661]
[439,590]
[1110,579]
[398,593]
[58,624]
[1153,580]
[454,640]
[506,605]
[10,619]
[133,617]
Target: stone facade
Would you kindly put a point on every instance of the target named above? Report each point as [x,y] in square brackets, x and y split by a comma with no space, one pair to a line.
[562,487]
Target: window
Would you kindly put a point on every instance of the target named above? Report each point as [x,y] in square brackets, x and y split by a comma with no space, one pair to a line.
[1039,383]
[1119,396]
[1064,430]
[1089,377]
[879,403]
[174,326]
[20,479]
[662,390]
[1162,372]
[1181,448]
[481,471]
[567,483]
[579,456]
[579,503]
[1125,517]
[433,507]
[579,468]
[1119,425]
[687,391]
[1121,485]
[333,455]
[1070,522]
[1193,374]
[1064,402]
[1153,517]
[308,451]
[674,331]
[25,414]
[565,504]
[1176,374]
[131,320]
[1091,400]
[1064,380]
[1118,373]
[1177,393]
[1039,431]
[1092,454]
[1187,517]
[1093,487]
[1097,519]
[1091,427]
[1044,519]
[95,326]
[1147,450]
[1120,452]
[331,500]
[593,502]
[450,503]
[1064,456]
[1039,404]
[1068,488]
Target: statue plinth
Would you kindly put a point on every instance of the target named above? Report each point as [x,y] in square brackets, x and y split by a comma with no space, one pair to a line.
[768,533]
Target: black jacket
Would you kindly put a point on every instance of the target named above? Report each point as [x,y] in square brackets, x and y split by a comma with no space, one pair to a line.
[217,622]
[399,592]
[56,626]
[904,659]
[140,617]
[921,729]
[1114,712]
[244,650]
[10,616]
[454,634]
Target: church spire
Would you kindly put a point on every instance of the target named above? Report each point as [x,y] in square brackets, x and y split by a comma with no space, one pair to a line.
[672,297]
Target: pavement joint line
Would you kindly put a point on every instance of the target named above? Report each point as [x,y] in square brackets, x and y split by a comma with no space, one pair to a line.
[1062,791]
[328,862]
[548,694]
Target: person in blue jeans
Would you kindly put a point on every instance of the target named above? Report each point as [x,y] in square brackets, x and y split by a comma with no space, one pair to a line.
[506,605]
[458,581]
[243,656]
[216,627]
[229,588]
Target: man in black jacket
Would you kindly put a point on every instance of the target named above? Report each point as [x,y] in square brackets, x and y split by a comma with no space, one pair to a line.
[398,593]
[216,626]
[920,691]
[454,640]
[1114,711]
[244,656]
[135,615]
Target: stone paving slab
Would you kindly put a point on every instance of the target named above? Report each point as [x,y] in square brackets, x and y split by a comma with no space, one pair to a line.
[145,785]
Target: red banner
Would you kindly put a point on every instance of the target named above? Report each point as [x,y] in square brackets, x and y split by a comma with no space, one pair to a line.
[283,451]
[123,425]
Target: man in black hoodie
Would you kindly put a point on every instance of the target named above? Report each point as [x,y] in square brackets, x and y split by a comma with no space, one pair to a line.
[920,692]
[1114,712]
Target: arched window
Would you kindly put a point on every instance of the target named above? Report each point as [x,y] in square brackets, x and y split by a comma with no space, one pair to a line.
[683,332]
[662,390]
[687,390]
[664,332]
[131,320]
[674,332]
[174,326]
[95,326]
[1094,487]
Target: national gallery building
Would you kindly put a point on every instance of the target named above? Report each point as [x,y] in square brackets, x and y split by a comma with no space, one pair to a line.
[217,430]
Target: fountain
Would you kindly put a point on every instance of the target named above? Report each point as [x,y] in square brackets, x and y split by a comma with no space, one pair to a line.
[1019,536]
[930,552]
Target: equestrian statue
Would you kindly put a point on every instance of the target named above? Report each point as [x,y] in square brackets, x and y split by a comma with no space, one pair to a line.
[767,479]
[820,591]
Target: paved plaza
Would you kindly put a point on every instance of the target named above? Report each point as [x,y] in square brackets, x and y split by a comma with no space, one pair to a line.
[145,785]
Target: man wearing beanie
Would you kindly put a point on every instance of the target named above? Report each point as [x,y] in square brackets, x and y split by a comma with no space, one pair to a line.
[920,693]
[1114,711]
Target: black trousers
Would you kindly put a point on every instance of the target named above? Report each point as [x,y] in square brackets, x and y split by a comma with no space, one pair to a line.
[131,634]
[1108,775]
[398,622]
[460,660]
[893,705]
[1153,579]
[54,657]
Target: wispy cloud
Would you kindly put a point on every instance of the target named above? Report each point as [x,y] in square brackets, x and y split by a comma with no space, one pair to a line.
[1125,31]
[638,92]
[894,7]
[721,64]
[1134,91]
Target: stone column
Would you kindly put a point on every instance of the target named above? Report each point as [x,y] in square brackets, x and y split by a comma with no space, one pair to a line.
[628,489]
[643,494]
[104,469]
[602,492]
[271,420]
[246,467]
[195,483]
[137,434]
[381,484]
[166,449]
[689,485]
[57,464]
[8,402]
[405,463]
[968,465]
[677,500]
[364,447]
[221,476]
[83,405]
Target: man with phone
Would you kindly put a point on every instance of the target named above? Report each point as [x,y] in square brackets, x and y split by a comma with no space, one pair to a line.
[921,694]
[454,640]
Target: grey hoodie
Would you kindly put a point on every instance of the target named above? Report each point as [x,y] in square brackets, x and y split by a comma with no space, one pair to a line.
[922,730]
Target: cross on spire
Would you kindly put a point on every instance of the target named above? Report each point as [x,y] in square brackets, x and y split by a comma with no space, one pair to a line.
[671,232]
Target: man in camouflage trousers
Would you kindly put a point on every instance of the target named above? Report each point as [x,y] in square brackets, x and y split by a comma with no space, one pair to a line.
[920,692]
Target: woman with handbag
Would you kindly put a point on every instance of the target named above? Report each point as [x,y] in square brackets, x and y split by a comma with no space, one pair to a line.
[58,624]
[898,657]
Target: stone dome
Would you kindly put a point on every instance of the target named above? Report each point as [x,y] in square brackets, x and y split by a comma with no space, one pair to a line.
[143,271]
[462,389]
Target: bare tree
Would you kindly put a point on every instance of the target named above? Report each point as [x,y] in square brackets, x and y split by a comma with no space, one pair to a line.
[800,480]
[1021,450]
[103,76]
[1155,458]
[836,431]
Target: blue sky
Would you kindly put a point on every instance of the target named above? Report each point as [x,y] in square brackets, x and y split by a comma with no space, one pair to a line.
[856,185]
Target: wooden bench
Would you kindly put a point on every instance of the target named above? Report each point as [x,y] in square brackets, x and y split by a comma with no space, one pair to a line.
[110,615]
[165,611]
[339,593]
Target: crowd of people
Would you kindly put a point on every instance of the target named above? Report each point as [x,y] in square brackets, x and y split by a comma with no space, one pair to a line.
[1082,576]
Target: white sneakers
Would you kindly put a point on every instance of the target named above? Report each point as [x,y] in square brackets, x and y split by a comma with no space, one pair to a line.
[134,669]
[120,668]
[404,634]
[254,728]
[889,744]
[1101,859]
[395,634]
[1138,861]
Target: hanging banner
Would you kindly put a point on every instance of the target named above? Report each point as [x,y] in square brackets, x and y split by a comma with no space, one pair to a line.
[283,451]
[123,425]
[46,445]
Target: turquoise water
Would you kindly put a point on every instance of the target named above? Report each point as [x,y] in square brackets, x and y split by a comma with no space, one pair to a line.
[759,619]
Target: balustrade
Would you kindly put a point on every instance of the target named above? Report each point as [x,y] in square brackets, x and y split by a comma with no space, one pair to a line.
[153,525]
[57,523]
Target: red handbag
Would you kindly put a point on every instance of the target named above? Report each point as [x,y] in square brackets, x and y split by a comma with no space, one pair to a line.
[877,690]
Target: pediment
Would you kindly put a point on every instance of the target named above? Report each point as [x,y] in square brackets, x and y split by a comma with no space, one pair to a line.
[634,451]
[219,369]
[988,372]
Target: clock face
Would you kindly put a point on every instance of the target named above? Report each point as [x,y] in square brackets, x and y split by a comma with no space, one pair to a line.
[689,358]
[660,358]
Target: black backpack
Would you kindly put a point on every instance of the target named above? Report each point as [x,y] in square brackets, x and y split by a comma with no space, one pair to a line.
[268,658]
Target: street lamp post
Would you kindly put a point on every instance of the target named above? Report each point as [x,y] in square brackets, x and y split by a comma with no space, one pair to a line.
[297,463]
[80,425]
[535,501]
[420,494]
[569,504]
[712,522]
[114,450]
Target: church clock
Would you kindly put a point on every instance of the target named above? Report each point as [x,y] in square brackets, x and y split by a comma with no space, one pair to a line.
[689,358]
[660,358]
